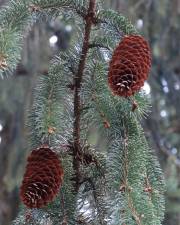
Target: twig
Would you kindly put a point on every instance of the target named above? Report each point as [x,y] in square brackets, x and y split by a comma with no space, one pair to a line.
[125,187]
[94,45]
[37,8]
[77,100]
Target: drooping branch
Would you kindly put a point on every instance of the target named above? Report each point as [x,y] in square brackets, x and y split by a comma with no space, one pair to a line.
[125,187]
[77,83]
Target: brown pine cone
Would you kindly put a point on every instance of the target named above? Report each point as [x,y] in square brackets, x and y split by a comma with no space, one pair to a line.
[129,66]
[42,179]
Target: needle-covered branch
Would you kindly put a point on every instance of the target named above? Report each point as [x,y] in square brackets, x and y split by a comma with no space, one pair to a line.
[119,181]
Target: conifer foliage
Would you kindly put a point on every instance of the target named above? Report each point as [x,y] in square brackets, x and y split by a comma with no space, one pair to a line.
[119,184]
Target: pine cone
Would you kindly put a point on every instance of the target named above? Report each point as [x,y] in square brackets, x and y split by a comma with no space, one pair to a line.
[129,66]
[42,179]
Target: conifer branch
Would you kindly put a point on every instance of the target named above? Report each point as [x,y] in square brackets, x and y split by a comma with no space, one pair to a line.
[135,214]
[127,184]
[39,8]
[77,82]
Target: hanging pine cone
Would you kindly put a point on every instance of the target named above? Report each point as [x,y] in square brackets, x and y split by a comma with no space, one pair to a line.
[129,66]
[42,179]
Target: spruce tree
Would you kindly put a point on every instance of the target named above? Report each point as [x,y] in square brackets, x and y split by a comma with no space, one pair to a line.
[96,83]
